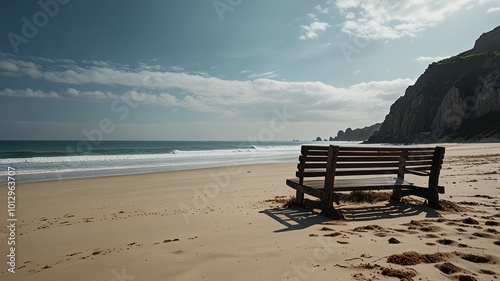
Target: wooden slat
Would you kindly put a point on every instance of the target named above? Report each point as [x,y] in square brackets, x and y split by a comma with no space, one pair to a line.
[354,165]
[417,158]
[318,165]
[310,174]
[381,148]
[369,153]
[312,158]
[316,152]
[351,184]
[418,163]
[421,168]
[426,153]
[367,187]
[418,173]
[361,165]
[365,172]
[367,159]
[314,147]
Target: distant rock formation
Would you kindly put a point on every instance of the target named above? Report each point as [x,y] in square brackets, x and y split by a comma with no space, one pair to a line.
[455,99]
[357,134]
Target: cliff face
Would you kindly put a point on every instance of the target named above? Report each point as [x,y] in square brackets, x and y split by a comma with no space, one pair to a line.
[455,99]
[357,134]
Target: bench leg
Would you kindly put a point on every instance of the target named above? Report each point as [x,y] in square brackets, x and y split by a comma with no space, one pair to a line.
[433,197]
[299,198]
[328,209]
[396,194]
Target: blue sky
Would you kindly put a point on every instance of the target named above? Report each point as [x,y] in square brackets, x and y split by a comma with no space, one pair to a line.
[218,70]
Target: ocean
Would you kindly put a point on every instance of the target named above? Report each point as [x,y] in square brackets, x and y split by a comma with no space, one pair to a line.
[58,160]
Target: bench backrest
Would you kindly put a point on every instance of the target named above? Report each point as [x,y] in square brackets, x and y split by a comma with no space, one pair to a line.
[317,161]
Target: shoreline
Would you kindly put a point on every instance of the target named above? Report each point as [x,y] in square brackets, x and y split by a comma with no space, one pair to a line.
[217,223]
[115,171]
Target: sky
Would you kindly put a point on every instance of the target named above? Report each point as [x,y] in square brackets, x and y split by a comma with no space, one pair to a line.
[218,69]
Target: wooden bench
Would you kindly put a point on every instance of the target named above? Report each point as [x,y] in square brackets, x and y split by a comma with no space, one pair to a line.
[325,170]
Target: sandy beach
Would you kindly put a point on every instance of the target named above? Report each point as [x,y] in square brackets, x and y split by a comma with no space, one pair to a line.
[229,224]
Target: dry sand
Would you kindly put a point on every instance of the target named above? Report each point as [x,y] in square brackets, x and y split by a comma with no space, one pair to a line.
[228,224]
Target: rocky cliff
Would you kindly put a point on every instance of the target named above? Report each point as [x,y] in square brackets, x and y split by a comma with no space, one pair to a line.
[455,99]
[357,134]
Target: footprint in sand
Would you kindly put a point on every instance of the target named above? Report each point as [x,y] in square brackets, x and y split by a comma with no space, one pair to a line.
[393,240]
[476,258]
[470,221]
[334,234]
[449,268]
[170,240]
[482,235]
[492,223]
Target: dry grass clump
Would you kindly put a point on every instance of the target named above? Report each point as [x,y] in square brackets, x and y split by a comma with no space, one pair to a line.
[367,266]
[366,228]
[450,207]
[474,258]
[364,197]
[285,201]
[413,258]
[402,274]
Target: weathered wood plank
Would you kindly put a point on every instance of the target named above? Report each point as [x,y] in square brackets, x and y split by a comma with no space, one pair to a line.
[310,174]
[418,173]
[367,159]
[369,153]
[313,158]
[364,165]
[381,148]
[315,152]
[366,172]
[318,165]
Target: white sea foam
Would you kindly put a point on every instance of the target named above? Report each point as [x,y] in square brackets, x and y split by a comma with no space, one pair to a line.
[61,167]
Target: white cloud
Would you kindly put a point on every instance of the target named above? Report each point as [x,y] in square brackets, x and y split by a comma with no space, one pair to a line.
[388,19]
[270,74]
[493,10]
[227,98]
[8,66]
[176,68]
[313,17]
[313,29]
[28,93]
[321,10]
[427,60]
